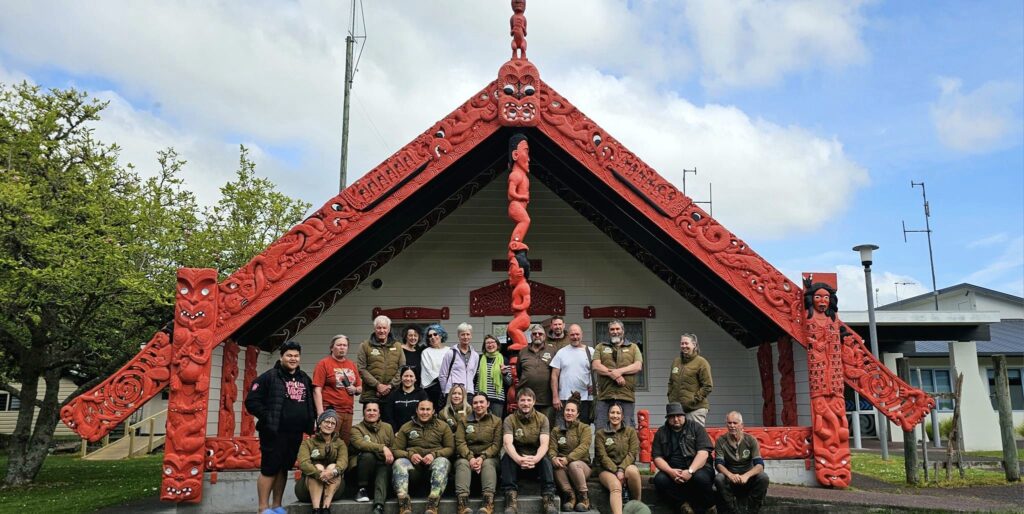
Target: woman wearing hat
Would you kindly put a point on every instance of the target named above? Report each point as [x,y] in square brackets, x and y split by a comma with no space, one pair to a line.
[616,449]
[323,459]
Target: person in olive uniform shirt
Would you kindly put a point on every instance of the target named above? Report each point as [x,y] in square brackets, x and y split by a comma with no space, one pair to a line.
[477,444]
[423,445]
[616,448]
[526,435]
[533,368]
[380,360]
[741,481]
[689,382]
[570,456]
[371,456]
[616,363]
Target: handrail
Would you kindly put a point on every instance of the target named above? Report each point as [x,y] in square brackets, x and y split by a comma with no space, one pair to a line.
[131,432]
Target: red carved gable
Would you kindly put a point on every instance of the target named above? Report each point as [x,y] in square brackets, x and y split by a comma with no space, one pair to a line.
[496,300]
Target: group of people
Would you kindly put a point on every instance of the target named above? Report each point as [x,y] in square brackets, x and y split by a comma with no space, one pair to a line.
[430,411]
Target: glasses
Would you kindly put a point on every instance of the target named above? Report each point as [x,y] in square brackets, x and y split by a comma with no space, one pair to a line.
[433,334]
[328,422]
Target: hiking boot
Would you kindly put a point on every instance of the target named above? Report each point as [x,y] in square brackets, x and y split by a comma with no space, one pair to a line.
[462,504]
[549,504]
[487,507]
[433,502]
[568,501]
[583,505]
[511,502]
[685,508]
[404,505]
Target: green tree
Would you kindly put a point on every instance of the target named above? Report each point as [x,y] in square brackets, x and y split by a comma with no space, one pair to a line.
[89,252]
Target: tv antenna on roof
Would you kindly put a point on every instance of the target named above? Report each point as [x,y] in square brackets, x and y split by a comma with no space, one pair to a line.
[928,231]
[350,72]
[710,201]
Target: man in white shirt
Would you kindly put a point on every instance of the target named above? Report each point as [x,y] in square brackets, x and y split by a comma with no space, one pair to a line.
[571,372]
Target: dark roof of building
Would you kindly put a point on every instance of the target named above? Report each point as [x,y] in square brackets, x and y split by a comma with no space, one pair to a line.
[1007,338]
[983,290]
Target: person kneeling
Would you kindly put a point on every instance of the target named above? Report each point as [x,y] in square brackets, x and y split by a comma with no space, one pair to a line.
[616,449]
[526,435]
[478,440]
[323,459]
[570,456]
[422,446]
[741,483]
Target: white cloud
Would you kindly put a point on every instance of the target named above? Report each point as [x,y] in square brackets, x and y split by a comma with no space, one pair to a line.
[981,120]
[753,43]
[991,240]
[890,287]
[1009,261]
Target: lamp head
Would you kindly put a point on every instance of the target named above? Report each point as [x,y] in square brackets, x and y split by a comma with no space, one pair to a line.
[865,253]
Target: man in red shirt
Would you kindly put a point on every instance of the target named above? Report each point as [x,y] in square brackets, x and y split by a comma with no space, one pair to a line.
[336,382]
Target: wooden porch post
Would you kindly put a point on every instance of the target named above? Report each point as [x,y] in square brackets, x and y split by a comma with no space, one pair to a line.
[228,389]
[764,365]
[195,319]
[787,382]
[252,355]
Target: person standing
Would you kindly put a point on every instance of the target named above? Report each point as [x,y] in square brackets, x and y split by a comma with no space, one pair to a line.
[380,361]
[372,457]
[281,400]
[741,481]
[617,448]
[616,363]
[423,447]
[570,457]
[323,459]
[572,372]
[411,348]
[525,437]
[689,383]
[336,382]
[430,363]
[478,443]
[460,363]
[681,450]
[557,334]
[493,376]
[534,370]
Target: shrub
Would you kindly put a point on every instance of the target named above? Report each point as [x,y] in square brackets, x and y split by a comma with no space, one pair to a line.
[945,428]
[1020,430]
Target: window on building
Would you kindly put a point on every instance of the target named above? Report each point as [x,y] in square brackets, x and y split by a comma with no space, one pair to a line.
[636,331]
[935,381]
[5,398]
[15,403]
[1016,388]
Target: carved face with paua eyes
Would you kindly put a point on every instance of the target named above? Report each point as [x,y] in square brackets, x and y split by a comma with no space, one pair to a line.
[517,96]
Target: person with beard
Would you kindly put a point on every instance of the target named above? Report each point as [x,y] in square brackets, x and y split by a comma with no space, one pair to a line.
[572,374]
[371,456]
[616,363]
[281,400]
[557,335]
[534,371]
[380,362]
[681,453]
[525,437]
[689,382]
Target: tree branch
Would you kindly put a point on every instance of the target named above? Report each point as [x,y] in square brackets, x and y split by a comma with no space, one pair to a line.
[17,393]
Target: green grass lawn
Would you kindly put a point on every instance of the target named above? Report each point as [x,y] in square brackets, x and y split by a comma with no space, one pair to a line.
[892,471]
[995,453]
[68,484]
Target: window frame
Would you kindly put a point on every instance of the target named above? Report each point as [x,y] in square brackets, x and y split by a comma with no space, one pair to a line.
[990,374]
[642,382]
[928,374]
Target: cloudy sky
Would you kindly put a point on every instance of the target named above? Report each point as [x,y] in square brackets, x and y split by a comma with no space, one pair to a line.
[808,118]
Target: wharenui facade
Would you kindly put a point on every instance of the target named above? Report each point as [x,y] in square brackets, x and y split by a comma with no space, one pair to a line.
[514,207]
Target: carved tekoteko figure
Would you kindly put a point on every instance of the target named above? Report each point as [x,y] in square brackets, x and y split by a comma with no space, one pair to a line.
[831,436]
[519,193]
[517,26]
[645,434]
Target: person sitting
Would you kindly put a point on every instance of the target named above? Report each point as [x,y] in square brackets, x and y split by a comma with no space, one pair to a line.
[616,449]
[741,481]
[371,456]
[681,450]
[525,438]
[456,409]
[405,400]
[570,456]
[478,443]
[323,459]
[423,446]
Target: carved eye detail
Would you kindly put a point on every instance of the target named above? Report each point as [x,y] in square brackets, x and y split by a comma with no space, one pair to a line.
[336,206]
[508,89]
[597,139]
[529,90]
[696,216]
[439,134]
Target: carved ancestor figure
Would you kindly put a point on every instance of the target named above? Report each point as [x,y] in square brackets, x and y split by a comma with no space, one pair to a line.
[517,26]
[519,193]
[645,434]
[830,433]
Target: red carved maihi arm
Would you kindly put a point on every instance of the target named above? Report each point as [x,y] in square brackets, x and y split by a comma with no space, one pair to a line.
[95,413]
[902,404]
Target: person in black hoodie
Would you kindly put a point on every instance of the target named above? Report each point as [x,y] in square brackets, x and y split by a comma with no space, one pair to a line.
[281,399]
[402,406]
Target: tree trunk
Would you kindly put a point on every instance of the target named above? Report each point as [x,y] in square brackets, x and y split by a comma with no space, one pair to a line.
[30,444]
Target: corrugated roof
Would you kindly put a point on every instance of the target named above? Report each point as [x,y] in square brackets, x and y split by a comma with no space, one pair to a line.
[1007,338]
[962,286]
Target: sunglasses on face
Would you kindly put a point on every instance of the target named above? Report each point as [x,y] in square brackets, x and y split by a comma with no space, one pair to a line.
[433,335]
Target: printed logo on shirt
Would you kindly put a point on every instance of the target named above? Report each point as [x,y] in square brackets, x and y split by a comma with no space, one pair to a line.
[609,442]
[254,386]
[375,352]
[561,440]
[746,453]
[470,429]
[414,434]
[546,357]
[519,432]
[675,369]
[366,437]
[343,376]
[315,453]
[295,390]
[606,350]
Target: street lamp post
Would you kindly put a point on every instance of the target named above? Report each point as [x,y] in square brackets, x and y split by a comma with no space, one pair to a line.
[880,422]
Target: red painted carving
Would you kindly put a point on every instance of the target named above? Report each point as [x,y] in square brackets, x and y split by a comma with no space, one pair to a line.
[232,453]
[495,300]
[777,443]
[520,304]
[902,404]
[787,382]
[95,413]
[645,434]
[502,265]
[831,436]
[618,311]
[252,355]
[517,29]
[518,199]
[764,366]
[193,342]
[228,389]
[412,313]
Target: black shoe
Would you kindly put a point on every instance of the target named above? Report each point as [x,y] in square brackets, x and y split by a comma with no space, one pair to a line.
[378,508]
[361,496]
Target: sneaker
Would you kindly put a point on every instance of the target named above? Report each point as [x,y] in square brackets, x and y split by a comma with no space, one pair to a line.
[361,496]
[280,510]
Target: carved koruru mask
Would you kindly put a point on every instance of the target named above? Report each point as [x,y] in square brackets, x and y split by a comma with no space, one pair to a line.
[516,94]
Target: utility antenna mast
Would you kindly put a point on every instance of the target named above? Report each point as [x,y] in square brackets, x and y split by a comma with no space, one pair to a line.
[350,71]
[710,201]
[928,231]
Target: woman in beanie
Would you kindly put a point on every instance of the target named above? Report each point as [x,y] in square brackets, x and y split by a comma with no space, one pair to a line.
[323,459]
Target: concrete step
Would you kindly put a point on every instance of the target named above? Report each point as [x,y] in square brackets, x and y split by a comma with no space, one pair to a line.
[527,505]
